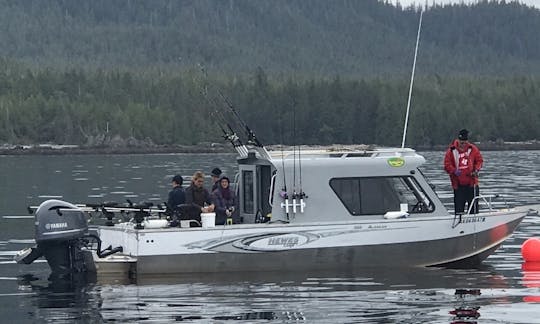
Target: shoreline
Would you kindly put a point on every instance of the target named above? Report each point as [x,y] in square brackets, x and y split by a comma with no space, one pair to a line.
[225,148]
[116,150]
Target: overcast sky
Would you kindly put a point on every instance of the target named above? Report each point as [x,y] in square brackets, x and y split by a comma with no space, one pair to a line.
[405,3]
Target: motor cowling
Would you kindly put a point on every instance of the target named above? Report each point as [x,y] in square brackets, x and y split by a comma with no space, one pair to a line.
[60,229]
[57,220]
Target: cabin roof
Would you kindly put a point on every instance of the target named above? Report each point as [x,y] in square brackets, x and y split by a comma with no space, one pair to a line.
[343,154]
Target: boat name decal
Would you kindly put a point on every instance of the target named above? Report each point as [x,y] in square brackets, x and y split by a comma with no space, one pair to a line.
[474,219]
[380,226]
[396,162]
[274,241]
[56,225]
[283,241]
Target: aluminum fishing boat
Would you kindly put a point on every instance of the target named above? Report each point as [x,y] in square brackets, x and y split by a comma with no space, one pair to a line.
[309,210]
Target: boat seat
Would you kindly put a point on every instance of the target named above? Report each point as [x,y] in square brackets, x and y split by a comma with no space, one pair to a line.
[191,213]
[190,223]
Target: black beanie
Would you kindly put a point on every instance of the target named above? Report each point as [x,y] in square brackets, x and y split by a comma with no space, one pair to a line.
[216,172]
[178,179]
[463,135]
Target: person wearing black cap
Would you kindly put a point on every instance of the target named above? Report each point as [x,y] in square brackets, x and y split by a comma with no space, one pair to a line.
[462,162]
[215,174]
[177,196]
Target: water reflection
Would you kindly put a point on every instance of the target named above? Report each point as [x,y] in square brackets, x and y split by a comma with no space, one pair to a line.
[68,298]
[531,279]
[465,312]
[433,295]
[408,295]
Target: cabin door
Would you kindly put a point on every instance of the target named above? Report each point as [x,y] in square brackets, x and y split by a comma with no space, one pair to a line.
[254,192]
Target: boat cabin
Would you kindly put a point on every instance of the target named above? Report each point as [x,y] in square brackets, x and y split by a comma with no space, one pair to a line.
[326,186]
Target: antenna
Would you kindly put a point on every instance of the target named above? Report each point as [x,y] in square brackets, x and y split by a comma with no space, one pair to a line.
[412,80]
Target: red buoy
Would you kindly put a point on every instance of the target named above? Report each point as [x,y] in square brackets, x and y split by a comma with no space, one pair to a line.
[530,250]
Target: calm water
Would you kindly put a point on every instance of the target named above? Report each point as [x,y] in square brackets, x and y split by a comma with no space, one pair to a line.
[500,292]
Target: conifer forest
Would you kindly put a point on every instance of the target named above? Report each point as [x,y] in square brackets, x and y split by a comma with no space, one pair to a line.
[297,72]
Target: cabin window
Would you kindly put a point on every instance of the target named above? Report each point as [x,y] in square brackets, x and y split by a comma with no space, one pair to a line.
[378,195]
[247,192]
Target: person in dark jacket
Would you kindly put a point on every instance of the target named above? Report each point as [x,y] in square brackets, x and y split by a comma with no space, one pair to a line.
[198,197]
[462,162]
[176,198]
[215,174]
[225,202]
[176,195]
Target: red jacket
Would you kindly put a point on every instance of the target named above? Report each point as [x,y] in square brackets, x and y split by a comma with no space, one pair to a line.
[468,160]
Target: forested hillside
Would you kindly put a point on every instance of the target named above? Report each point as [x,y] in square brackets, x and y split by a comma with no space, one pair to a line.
[297,71]
[314,38]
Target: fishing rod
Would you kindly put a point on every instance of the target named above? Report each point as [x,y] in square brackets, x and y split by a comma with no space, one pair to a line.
[294,158]
[252,138]
[212,103]
[412,80]
[283,194]
[300,195]
[109,209]
[230,135]
[88,208]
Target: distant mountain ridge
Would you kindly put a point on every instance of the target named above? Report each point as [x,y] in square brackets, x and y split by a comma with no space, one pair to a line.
[367,38]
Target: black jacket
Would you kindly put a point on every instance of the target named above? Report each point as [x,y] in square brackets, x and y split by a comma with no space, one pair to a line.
[176,197]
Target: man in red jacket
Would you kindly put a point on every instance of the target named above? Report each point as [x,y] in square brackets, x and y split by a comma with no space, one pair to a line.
[462,162]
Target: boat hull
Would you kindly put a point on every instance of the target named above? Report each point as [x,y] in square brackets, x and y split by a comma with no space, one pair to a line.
[399,243]
[451,251]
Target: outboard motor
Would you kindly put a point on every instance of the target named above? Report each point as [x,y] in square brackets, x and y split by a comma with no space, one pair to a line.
[61,229]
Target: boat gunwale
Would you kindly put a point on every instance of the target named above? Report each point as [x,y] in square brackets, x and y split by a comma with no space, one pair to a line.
[410,219]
